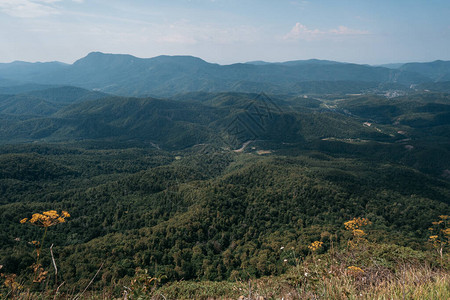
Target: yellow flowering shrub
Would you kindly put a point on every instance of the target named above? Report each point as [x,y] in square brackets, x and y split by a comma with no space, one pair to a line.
[354,226]
[47,218]
[353,270]
[315,246]
[11,283]
[440,237]
[356,223]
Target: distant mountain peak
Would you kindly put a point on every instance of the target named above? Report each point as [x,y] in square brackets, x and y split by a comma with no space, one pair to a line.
[26,63]
[95,57]
[179,59]
[167,75]
[258,62]
[100,58]
[100,54]
[294,62]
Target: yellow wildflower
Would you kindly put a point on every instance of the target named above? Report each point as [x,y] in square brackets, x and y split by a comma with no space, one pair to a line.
[51,213]
[358,232]
[349,225]
[356,223]
[10,282]
[47,218]
[355,270]
[315,246]
[34,218]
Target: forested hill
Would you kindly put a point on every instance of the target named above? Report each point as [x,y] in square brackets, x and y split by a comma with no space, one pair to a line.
[27,101]
[169,75]
[213,186]
[228,120]
[203,214]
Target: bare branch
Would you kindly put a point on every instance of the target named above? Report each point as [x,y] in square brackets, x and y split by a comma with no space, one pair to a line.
[57,290]
[54,265]
[92,280]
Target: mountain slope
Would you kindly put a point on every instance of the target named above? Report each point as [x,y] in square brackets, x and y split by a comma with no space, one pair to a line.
[437,70]
[226,119]
[44,102]
[25,72]
[170,75]
[207,216]
[197,210]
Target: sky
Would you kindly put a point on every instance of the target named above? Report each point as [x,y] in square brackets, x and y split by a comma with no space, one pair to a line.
[227,31]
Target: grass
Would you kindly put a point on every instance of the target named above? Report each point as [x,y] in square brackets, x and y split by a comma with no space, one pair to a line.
[321,280]
[395,273]
[359,269]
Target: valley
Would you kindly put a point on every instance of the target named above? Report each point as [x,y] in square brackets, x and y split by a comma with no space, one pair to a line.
[207,180]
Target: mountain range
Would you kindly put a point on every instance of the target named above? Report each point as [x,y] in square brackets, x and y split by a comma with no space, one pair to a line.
[165,76]
[194,171]
[364,124]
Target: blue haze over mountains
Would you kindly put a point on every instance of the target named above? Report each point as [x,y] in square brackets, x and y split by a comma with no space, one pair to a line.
[165,76]
[178,102]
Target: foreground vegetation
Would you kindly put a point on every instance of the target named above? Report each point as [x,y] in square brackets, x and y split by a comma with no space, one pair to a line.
[197,225]
[359,269]
[158,204]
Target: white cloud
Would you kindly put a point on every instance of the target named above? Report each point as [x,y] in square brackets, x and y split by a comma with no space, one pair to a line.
[28,8]
[342,30]
[302,32]
[78,1]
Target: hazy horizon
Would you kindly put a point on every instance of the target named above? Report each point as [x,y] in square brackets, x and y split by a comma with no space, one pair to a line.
[213,62]
[226,32]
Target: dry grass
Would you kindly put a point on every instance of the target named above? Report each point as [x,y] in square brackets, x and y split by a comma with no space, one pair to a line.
[335,282]
[360,270]
[321,278]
